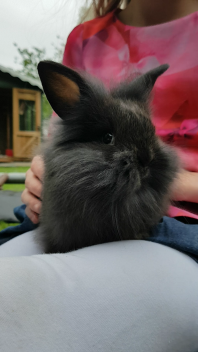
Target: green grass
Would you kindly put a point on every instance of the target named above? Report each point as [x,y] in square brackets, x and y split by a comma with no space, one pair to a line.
[13,187]
[4,225]
[13,169]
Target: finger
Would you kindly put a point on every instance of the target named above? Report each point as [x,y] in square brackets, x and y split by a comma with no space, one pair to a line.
[31,201]
[178,186]
[32,216]
[37,167]
[33,184]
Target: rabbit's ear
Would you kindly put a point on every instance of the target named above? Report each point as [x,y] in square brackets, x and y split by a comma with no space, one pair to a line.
[61,85]
[140,88]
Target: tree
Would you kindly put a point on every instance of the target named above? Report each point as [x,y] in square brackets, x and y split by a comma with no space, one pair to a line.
[28,59]
[58,49]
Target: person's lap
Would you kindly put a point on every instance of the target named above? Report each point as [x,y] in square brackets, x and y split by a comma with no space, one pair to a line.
[121,296]
[22,245]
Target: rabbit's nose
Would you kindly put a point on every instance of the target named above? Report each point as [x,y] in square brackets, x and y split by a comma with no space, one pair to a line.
[127,161]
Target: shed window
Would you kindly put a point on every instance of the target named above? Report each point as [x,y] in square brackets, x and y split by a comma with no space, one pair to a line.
[27,115]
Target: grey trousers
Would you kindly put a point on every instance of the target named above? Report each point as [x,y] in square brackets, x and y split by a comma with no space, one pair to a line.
[131,296]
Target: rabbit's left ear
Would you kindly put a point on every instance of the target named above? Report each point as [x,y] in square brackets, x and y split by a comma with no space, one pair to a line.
[62,86]
[140,88]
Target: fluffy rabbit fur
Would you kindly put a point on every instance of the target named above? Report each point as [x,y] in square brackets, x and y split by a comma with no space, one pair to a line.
[107,175]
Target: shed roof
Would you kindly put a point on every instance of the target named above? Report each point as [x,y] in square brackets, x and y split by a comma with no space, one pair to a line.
[33,81]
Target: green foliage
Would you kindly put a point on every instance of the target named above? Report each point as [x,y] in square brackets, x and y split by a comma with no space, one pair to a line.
[28,59]
[46,108]
[58,49]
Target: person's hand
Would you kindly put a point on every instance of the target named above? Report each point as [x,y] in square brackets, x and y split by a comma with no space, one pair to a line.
[185,187]
[32,194]
[189,161]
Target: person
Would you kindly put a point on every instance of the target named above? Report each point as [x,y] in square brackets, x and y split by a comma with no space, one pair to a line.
[140,296]
[140,37]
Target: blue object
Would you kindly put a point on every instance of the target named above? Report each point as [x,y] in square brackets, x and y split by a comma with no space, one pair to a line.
[175,234]
[13,231]
[169,232]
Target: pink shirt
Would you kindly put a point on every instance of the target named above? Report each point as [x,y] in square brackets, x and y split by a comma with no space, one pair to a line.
[110,50]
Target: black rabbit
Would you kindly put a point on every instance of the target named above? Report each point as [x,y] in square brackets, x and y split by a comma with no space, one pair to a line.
[107,175]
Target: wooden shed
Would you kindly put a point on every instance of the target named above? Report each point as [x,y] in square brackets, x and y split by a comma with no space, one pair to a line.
[20,115]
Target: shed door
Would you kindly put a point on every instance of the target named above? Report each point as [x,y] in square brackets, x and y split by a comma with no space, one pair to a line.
[26,122]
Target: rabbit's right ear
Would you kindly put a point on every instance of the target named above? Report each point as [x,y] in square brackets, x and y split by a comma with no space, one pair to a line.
[63,87]
[140,88]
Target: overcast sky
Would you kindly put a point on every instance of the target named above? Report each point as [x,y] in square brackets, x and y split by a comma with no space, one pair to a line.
[34,23]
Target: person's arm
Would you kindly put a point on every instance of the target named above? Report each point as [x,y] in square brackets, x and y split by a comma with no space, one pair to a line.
[186,187]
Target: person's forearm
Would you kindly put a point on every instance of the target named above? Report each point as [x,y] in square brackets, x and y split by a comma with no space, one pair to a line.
[186,187]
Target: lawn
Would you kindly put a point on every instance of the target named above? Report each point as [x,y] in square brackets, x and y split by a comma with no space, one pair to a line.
[4,225]
[13,169]
[12,187]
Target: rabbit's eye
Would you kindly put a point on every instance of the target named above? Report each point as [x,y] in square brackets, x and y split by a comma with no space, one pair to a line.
[108,138]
